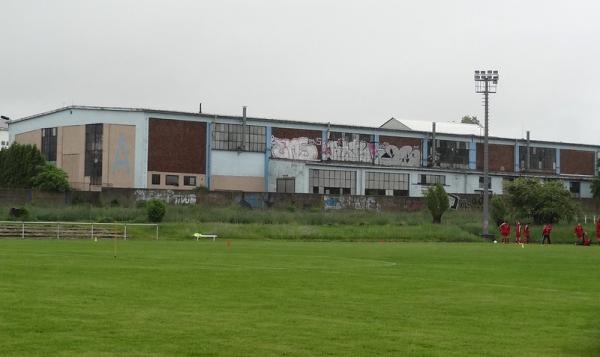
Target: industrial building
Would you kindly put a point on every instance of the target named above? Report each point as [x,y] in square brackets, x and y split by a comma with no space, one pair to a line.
[143,148]
[3,137]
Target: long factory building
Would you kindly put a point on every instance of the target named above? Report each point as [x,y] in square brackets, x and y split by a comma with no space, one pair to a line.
[161,149]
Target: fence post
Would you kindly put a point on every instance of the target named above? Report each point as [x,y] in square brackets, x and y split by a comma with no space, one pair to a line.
[157,232]
[92,231]
[23,230]
[57,230]
[125,233]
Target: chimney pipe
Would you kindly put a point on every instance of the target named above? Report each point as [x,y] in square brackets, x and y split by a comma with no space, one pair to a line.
[200,108]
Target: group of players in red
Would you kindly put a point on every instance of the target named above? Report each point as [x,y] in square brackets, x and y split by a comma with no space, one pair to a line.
[522,233]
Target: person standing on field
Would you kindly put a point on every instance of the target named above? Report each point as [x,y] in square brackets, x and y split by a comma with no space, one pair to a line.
[579,233]
[504,231]
[526,233]
[598,230]
[518,232]
[546,233]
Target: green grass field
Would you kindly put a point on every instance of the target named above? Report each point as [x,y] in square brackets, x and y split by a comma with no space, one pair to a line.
[258,297]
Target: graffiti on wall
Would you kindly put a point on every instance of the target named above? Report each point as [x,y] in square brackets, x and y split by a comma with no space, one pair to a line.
[168,196]
[301,148]
[345,149]
[121,161]
[391,155]
[350,150]
[350,202]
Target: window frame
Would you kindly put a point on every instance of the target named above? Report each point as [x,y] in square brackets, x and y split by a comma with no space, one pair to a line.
[171,184]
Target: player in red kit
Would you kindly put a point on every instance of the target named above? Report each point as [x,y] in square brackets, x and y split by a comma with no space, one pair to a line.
[526,233]
[579,233]
[598,230]
[546,233]
[518,232]
[504,231]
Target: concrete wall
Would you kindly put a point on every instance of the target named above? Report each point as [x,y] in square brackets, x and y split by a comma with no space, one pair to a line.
[118,161]
[31,137]
[70,117]
[286,168]
[238,171]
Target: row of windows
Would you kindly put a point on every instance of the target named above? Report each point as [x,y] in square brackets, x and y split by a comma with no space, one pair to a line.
[236,137]
[173,180]
[387,181]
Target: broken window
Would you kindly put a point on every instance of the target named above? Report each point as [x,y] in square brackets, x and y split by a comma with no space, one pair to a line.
[49,144]
[449,154]
[93,153]
[540,159]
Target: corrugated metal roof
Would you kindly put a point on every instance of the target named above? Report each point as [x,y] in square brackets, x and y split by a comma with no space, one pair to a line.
[440,127]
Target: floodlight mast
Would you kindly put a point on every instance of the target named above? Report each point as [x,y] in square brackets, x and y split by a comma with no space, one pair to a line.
[486,83]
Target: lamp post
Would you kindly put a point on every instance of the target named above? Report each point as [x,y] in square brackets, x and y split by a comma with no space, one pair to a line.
[486,83]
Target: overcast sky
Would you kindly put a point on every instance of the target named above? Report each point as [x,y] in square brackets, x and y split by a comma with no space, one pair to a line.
[351,62]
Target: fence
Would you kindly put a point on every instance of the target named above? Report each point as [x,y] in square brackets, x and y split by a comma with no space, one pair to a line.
[67,230]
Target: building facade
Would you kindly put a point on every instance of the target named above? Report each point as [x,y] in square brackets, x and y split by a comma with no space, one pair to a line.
[3,138]
[142,148]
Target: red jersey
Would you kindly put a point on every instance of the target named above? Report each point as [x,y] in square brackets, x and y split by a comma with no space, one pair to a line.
[505,229]
[579,231]
[526,231]
[518,230]
[547,230]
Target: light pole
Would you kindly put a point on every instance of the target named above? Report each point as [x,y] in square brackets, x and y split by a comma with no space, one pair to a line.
[486,83]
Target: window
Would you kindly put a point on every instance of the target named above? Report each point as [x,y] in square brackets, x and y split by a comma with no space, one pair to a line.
[575,188]
[382,181]
[331,182]
[374,192]
[155,179]
[236,137]
[540,159]
[172,180]
[48,144]
[189,180]
[449,154]
[286,185]
[93,153]
[481,182]
[432,179]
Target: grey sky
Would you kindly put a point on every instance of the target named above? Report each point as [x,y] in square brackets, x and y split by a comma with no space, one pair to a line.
[352,62]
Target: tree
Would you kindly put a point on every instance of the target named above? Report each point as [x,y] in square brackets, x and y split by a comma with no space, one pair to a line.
[543,202]
[437,202]
[470,120]
[596,183]
[19,164]
[51,178]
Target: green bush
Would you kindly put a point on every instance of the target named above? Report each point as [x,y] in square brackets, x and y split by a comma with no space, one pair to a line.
[500,210]
[437,202]
[156,210]
[51,178]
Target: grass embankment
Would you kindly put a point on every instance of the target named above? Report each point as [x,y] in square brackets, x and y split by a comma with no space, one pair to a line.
[233,222]
[260,298]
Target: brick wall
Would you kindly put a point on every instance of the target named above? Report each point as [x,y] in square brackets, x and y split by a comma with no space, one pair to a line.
[502,157]
[176,146]
[577,162]
[399,141]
